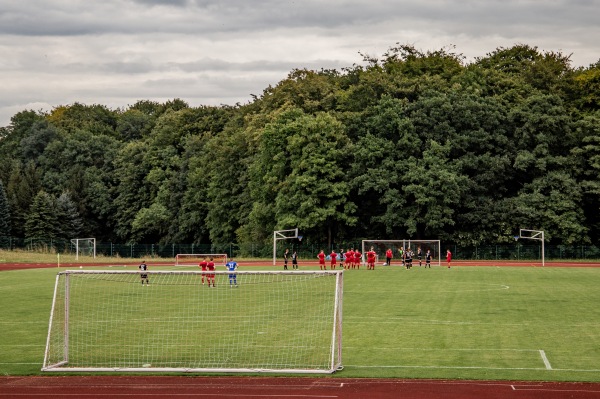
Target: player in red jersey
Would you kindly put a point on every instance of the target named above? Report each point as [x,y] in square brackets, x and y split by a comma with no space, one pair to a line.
[211,268]
[357,259]
[321,257]
[203,266]
[349,258]
[371,259]
[448,257]
[333,257]
[388,257]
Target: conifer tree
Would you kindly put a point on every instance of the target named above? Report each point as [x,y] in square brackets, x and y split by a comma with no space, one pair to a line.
[41,223]
[5,224]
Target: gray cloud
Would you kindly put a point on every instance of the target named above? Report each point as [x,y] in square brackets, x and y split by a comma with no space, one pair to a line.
[219,52]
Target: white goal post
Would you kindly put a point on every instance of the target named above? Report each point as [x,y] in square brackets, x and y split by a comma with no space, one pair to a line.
[195,259]
[533,235]
[269,321]
[84,246]
[381,246]
[283,235]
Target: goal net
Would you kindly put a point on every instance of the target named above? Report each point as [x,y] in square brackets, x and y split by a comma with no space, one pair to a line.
[195,259]
[84,247]
[273,321]
[381,246]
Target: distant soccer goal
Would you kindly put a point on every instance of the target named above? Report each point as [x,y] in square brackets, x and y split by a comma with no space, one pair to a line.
[195,259]
[270,321]
[84,247]
[381,246]
[283,235]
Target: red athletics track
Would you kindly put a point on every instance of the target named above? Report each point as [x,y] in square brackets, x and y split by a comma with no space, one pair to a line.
[95,387]
[139,387]
[311,263]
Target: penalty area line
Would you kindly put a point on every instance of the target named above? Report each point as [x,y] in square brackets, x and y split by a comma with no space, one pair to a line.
[446,367]
[545,360]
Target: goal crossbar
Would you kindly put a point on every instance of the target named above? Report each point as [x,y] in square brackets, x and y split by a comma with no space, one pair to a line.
[109,321]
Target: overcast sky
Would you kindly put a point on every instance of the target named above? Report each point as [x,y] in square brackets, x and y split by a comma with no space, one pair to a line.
[209,52]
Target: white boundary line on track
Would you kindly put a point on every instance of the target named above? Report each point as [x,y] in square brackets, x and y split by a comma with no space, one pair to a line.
[541,388]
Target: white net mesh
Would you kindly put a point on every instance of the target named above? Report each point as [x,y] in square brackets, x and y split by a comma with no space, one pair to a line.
[273,321]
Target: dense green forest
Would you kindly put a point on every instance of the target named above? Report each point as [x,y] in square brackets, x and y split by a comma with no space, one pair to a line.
[412,144]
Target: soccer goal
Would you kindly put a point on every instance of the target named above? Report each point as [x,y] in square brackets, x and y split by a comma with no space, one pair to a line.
[195,259]
[84,247]
[381,246]
[283,235]
[272,321]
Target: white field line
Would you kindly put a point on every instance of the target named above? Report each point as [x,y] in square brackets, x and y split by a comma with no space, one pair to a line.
[450,349]
[410,320]
[545,360]
[472,368]
[446,367]
[542,353]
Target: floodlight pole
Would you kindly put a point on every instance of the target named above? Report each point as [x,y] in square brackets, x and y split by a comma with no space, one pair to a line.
[535,235]
[280,235]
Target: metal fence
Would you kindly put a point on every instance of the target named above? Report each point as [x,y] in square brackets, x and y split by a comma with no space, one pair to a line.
[517,251]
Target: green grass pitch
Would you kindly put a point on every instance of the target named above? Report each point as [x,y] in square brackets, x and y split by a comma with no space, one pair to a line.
[517,323]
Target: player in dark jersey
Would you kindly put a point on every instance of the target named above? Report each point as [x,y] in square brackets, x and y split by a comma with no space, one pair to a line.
[295,260]
[144,275]
[286,254]
[419,255]
[428,259]
[408,255]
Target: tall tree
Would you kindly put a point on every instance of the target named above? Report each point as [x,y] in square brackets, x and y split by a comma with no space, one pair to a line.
[314,196]
[5,222]
[23,185]
[435,187]
[69,223]
[42,221]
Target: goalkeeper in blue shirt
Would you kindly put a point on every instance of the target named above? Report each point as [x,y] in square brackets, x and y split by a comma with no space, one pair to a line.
[231,266]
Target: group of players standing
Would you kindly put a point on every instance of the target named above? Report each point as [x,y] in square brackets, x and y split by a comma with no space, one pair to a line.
[209,267]
[352,258]
[407,255]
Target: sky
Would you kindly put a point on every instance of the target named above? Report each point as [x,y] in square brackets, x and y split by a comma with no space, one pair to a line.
[214,52]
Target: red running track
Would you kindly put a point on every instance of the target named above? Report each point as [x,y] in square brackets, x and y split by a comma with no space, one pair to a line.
[460,263]
[138,387]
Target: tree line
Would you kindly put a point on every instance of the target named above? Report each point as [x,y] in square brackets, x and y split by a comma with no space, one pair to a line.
[411,144]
